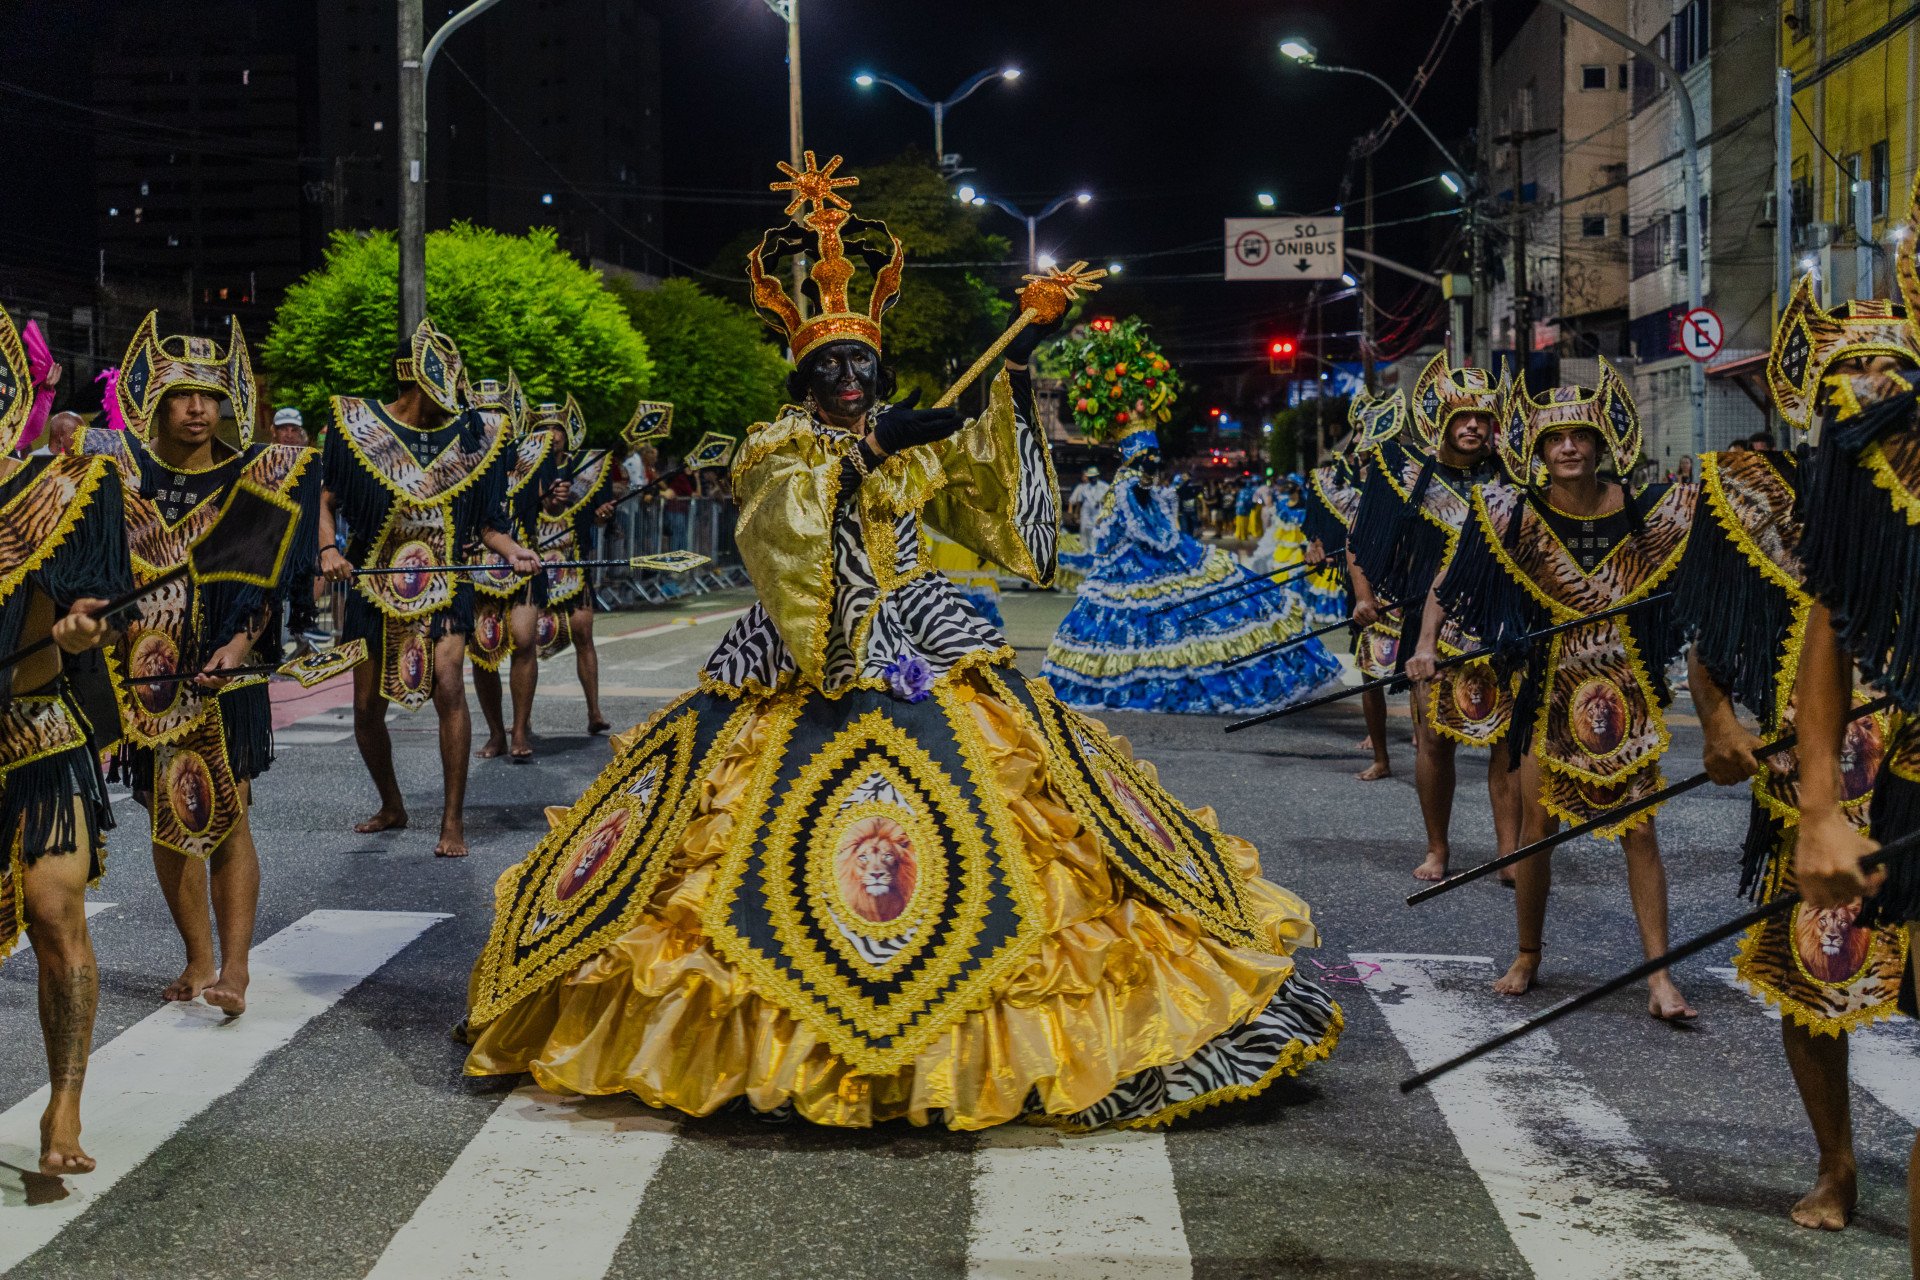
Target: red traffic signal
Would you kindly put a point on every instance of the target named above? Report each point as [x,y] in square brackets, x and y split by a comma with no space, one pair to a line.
[1280,356]
[1103,324]
[1213,413]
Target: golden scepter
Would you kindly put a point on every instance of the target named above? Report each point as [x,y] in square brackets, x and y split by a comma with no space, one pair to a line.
[1043,300]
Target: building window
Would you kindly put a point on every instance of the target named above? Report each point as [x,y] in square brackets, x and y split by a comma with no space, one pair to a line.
[1593,225]
[1651,245]
[1878,171]
[1593,77]
[1689,44]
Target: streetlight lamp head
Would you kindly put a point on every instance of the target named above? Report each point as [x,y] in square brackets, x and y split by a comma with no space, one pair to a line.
[1809,264]
[1300,51]
[1083,197]
[1011,73]
[1264,199]
[1113,268]
[980,202]
[1346,278]
[966,195]
[546,197]
[864,80]
[1451,183]
[1048,262]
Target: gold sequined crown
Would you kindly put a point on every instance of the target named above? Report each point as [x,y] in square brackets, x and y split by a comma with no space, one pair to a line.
[1810,339]
[1442,392]
[1607,409]
[826,232]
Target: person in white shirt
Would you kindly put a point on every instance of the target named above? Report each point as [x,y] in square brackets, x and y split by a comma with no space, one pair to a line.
[1085,498]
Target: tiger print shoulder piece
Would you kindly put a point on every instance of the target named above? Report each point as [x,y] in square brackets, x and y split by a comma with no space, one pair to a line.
[1535,557]
[1739,593]
[1333,500]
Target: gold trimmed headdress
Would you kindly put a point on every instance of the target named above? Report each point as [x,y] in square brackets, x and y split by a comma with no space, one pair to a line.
[1378,418]
[565,418]
[826,232]
[16,384]
[1607,409]
[434,367]
[1810,339]
[504,399]
[155,365]
[1442,392]
[713,450]
[652,420]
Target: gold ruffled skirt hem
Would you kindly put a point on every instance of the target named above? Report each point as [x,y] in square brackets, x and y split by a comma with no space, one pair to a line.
[1118,1012]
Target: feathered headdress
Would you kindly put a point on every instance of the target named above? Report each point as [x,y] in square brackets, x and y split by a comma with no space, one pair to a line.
[155,365]
[826,232]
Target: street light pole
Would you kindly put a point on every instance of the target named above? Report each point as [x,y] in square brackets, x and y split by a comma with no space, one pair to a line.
[1033,220]
[1690,175]
[938,109]
[416,63]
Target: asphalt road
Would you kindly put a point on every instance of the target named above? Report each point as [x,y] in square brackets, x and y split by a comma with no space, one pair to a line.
[329,1131]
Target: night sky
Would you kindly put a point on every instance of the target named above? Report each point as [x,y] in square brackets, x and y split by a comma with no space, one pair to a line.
[1174,115]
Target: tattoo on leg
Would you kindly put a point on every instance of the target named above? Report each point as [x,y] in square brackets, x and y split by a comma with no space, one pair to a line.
[68,999]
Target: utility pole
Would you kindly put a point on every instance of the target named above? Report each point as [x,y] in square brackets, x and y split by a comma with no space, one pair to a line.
[1782,189]
[413,146]
[1482,345]
[1522,296]
[1366,285]
[788,11]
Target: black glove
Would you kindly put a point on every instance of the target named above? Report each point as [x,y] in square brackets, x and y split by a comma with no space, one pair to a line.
[1028,340]
[902,426]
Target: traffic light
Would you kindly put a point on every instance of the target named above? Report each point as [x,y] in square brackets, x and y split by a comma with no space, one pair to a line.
[1280,356]
[1103,324]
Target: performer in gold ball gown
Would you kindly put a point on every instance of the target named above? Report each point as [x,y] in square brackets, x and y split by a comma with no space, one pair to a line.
[867,870]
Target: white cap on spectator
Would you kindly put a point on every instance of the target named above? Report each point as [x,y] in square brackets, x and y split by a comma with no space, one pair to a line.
[288,418]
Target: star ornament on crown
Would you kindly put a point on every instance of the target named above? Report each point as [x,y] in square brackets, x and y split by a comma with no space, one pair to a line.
[827,232]
[1049,296]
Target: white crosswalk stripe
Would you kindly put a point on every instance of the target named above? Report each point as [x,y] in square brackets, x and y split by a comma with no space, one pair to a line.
[1051,1207]
[150,1080]
[546,1188]
[1883,1059]
[1573,1184]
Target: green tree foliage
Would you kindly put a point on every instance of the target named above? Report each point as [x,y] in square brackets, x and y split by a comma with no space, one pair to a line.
[712,358]
[509,301]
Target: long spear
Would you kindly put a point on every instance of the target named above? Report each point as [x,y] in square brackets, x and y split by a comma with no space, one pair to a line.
[1399,680]
[1903,847]
[1611,816]
[1044,300]
[685,560]
[1314,634]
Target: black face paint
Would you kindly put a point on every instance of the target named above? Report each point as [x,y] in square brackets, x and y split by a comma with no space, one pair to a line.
[842,377]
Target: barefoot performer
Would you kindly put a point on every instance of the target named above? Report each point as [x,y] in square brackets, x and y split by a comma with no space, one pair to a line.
[1411,514]
[507,605]
[1862,556]
[416,480]
[1741,596]
[1333,501]
[1588,730]
[581,498]
[190,749]
[62,554]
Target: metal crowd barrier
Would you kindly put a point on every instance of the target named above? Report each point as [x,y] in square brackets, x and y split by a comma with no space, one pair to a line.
[703,525]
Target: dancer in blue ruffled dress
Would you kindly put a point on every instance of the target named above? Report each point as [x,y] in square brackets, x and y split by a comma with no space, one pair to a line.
[1283,552]
[1114,651]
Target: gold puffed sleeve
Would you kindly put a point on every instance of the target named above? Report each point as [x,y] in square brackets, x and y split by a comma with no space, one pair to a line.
[787,484]
[998,500]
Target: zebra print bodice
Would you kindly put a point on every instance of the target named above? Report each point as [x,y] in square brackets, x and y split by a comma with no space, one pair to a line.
[921,614]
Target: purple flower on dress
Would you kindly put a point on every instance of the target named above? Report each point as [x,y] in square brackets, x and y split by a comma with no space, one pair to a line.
[910,678]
